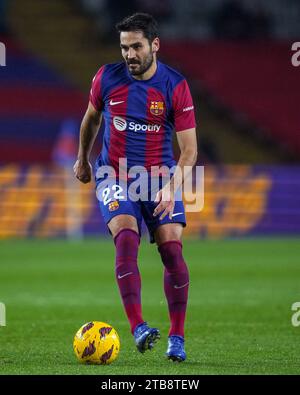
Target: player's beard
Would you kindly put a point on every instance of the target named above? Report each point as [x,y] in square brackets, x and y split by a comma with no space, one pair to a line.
[143,66]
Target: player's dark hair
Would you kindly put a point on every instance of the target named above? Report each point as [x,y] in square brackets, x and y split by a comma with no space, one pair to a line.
[139,22]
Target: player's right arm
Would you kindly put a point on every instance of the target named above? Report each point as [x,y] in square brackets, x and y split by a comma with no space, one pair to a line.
[88,132]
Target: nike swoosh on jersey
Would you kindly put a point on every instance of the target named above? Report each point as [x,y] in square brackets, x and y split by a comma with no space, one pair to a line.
[180,286]
[113,103]
[123,275]
[174,215]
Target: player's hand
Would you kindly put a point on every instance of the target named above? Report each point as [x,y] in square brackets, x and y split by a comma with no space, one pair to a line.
[83,171]
[166,203]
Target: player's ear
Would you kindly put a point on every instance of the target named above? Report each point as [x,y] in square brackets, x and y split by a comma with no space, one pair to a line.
[155,45]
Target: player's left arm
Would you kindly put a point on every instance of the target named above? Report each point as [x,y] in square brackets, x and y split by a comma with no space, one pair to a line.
[187,141]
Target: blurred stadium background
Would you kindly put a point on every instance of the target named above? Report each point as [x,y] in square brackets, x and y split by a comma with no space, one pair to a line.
[236,56]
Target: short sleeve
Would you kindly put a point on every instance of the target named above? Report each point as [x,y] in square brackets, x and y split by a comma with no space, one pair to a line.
[184,115]
[96,90]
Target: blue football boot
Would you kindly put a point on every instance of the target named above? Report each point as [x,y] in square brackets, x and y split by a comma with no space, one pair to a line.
[175,350]
[145,337]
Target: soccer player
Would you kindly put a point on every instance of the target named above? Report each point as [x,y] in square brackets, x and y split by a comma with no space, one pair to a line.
[142,101]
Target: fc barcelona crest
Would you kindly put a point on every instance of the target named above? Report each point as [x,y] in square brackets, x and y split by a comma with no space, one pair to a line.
[157,107]
[113,206]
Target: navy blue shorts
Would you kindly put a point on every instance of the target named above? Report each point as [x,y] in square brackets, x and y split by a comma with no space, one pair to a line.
[117,197]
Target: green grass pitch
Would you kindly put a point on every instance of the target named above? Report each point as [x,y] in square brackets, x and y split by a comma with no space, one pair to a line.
[238,320]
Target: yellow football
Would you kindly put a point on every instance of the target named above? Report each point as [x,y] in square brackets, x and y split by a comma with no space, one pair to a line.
[96,343]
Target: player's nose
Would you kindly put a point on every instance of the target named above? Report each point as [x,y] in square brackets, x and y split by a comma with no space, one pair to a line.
[131,53]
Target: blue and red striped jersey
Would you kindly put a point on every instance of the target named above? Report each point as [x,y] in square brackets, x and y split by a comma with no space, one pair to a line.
[140,116]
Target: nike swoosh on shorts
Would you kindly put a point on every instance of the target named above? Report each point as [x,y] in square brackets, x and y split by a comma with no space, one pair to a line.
[174,215]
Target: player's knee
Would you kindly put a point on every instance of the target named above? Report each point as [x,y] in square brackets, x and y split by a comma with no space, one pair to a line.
[127,241]
[168,232]
[126,235]
[171,253]
[122,222]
